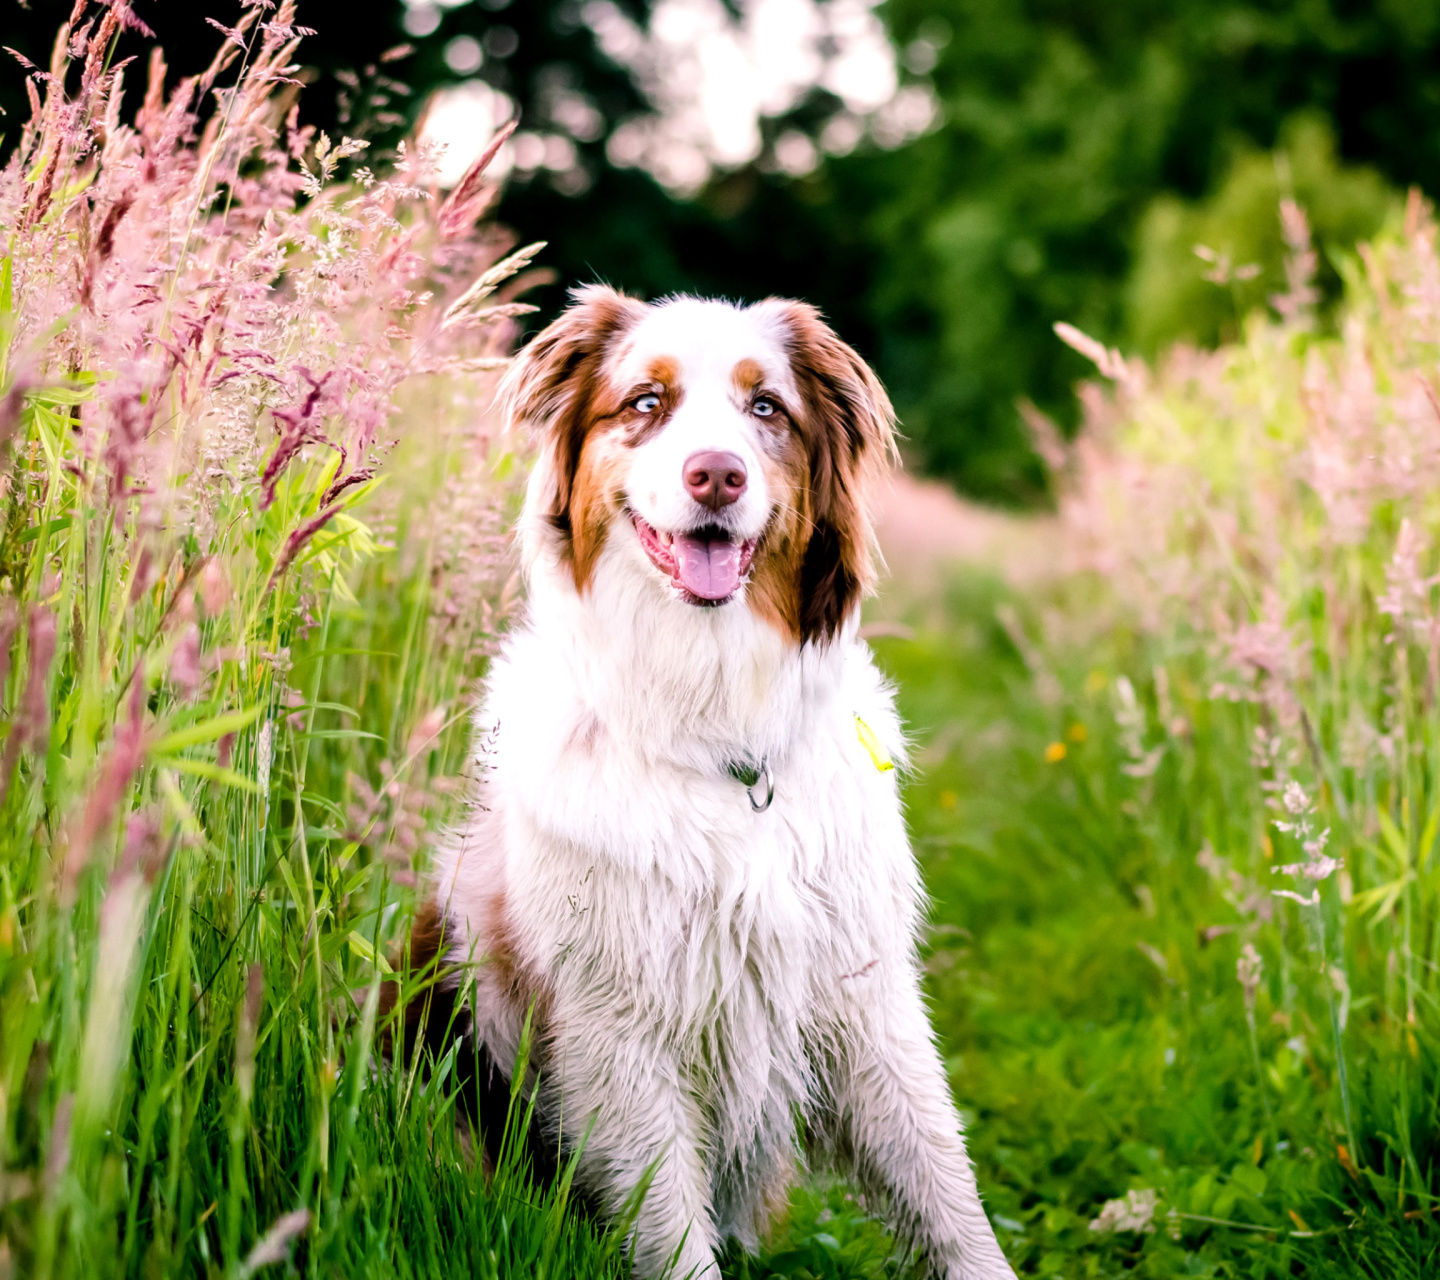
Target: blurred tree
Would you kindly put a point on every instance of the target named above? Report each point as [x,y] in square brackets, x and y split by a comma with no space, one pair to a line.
[1201,266]
[1064,121]
[1079,146]
[333,62]
[747,235]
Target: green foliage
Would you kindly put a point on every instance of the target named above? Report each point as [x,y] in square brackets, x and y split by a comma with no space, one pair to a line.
[1083,969]
[1228,958]
[1062,125]
[1201,267]
[189,1046]
[232,672]
[1078,148]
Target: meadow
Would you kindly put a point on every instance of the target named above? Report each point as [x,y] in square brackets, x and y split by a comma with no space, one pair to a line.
[1175,803]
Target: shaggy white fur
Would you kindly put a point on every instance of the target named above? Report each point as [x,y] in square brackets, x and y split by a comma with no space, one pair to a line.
[702,973]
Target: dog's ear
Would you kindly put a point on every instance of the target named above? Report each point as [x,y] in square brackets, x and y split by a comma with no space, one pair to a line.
[552,386]
[848,429]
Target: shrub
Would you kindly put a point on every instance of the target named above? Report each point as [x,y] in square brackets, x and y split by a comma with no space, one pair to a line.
[1233,239]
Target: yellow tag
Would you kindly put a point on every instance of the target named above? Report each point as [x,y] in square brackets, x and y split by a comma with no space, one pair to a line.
[873,745]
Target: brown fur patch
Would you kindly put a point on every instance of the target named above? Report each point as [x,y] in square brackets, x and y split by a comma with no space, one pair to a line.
[434,1016]
[503,960]
[747,378]
[429,1013]
[774,591]
[813,575]
[558,386]
[595,500]
[663,380]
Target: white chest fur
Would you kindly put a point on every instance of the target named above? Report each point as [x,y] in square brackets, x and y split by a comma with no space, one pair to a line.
[637,880]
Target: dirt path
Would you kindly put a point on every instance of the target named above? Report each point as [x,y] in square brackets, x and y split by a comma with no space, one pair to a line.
[923,526]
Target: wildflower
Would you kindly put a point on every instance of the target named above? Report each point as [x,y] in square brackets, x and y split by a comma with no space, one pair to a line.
[1055,752]
[1135,1211]
[1109,361]
[264,746]
[1317,866]
[274,1245]
[1222,270]
[185,668]
[1248,969]
[121,763]
[1131,720]
[1311,899]
[1269,654]
[297,540]
[1297,304]
[1295,800]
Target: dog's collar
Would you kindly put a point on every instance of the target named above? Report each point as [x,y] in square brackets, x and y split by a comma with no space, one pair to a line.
[750,775]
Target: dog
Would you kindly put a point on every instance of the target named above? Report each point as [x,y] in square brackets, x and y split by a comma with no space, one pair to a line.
[686,859]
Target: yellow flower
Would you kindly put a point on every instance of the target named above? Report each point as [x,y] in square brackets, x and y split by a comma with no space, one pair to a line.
[1078,732]
[948,799]
[1055,751]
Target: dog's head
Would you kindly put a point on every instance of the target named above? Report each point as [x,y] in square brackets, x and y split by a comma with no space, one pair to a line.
[726,451]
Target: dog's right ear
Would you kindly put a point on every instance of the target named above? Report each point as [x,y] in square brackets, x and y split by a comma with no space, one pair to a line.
[556,378]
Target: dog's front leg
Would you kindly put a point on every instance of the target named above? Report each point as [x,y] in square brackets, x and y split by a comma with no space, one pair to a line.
[901,1124]
[630,1094]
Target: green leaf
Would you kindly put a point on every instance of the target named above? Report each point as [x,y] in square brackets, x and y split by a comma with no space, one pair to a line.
[1427,838]
[208,769]
[206,730]
[361,946]
[316,734]
[1393,838]
[1249,1178]
[50,526]
[61,394]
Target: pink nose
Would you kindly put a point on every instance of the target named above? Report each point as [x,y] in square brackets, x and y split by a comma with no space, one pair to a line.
[715,479]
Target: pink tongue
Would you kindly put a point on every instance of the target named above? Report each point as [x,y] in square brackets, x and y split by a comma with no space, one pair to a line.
[710,570]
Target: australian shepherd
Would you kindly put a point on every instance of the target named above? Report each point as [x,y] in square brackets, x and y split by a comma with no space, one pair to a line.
[686,859]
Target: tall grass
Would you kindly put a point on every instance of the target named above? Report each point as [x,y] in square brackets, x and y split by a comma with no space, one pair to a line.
[250,510]
[1266,522]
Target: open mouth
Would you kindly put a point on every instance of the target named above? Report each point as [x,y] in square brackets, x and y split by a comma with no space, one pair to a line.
[707,564]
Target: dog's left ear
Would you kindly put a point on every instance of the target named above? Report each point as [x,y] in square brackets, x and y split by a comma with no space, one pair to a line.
[848,428]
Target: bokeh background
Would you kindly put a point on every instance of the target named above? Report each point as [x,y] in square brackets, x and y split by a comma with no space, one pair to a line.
[946,178]
[1159,283]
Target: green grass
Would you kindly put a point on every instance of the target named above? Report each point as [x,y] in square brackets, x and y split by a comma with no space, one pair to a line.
[1097,1043]
[1085,1064]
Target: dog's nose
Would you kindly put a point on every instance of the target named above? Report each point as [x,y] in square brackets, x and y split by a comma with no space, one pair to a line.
[715,479]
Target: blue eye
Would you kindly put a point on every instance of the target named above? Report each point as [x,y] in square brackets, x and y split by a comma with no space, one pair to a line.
[763,407]
[647,404]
